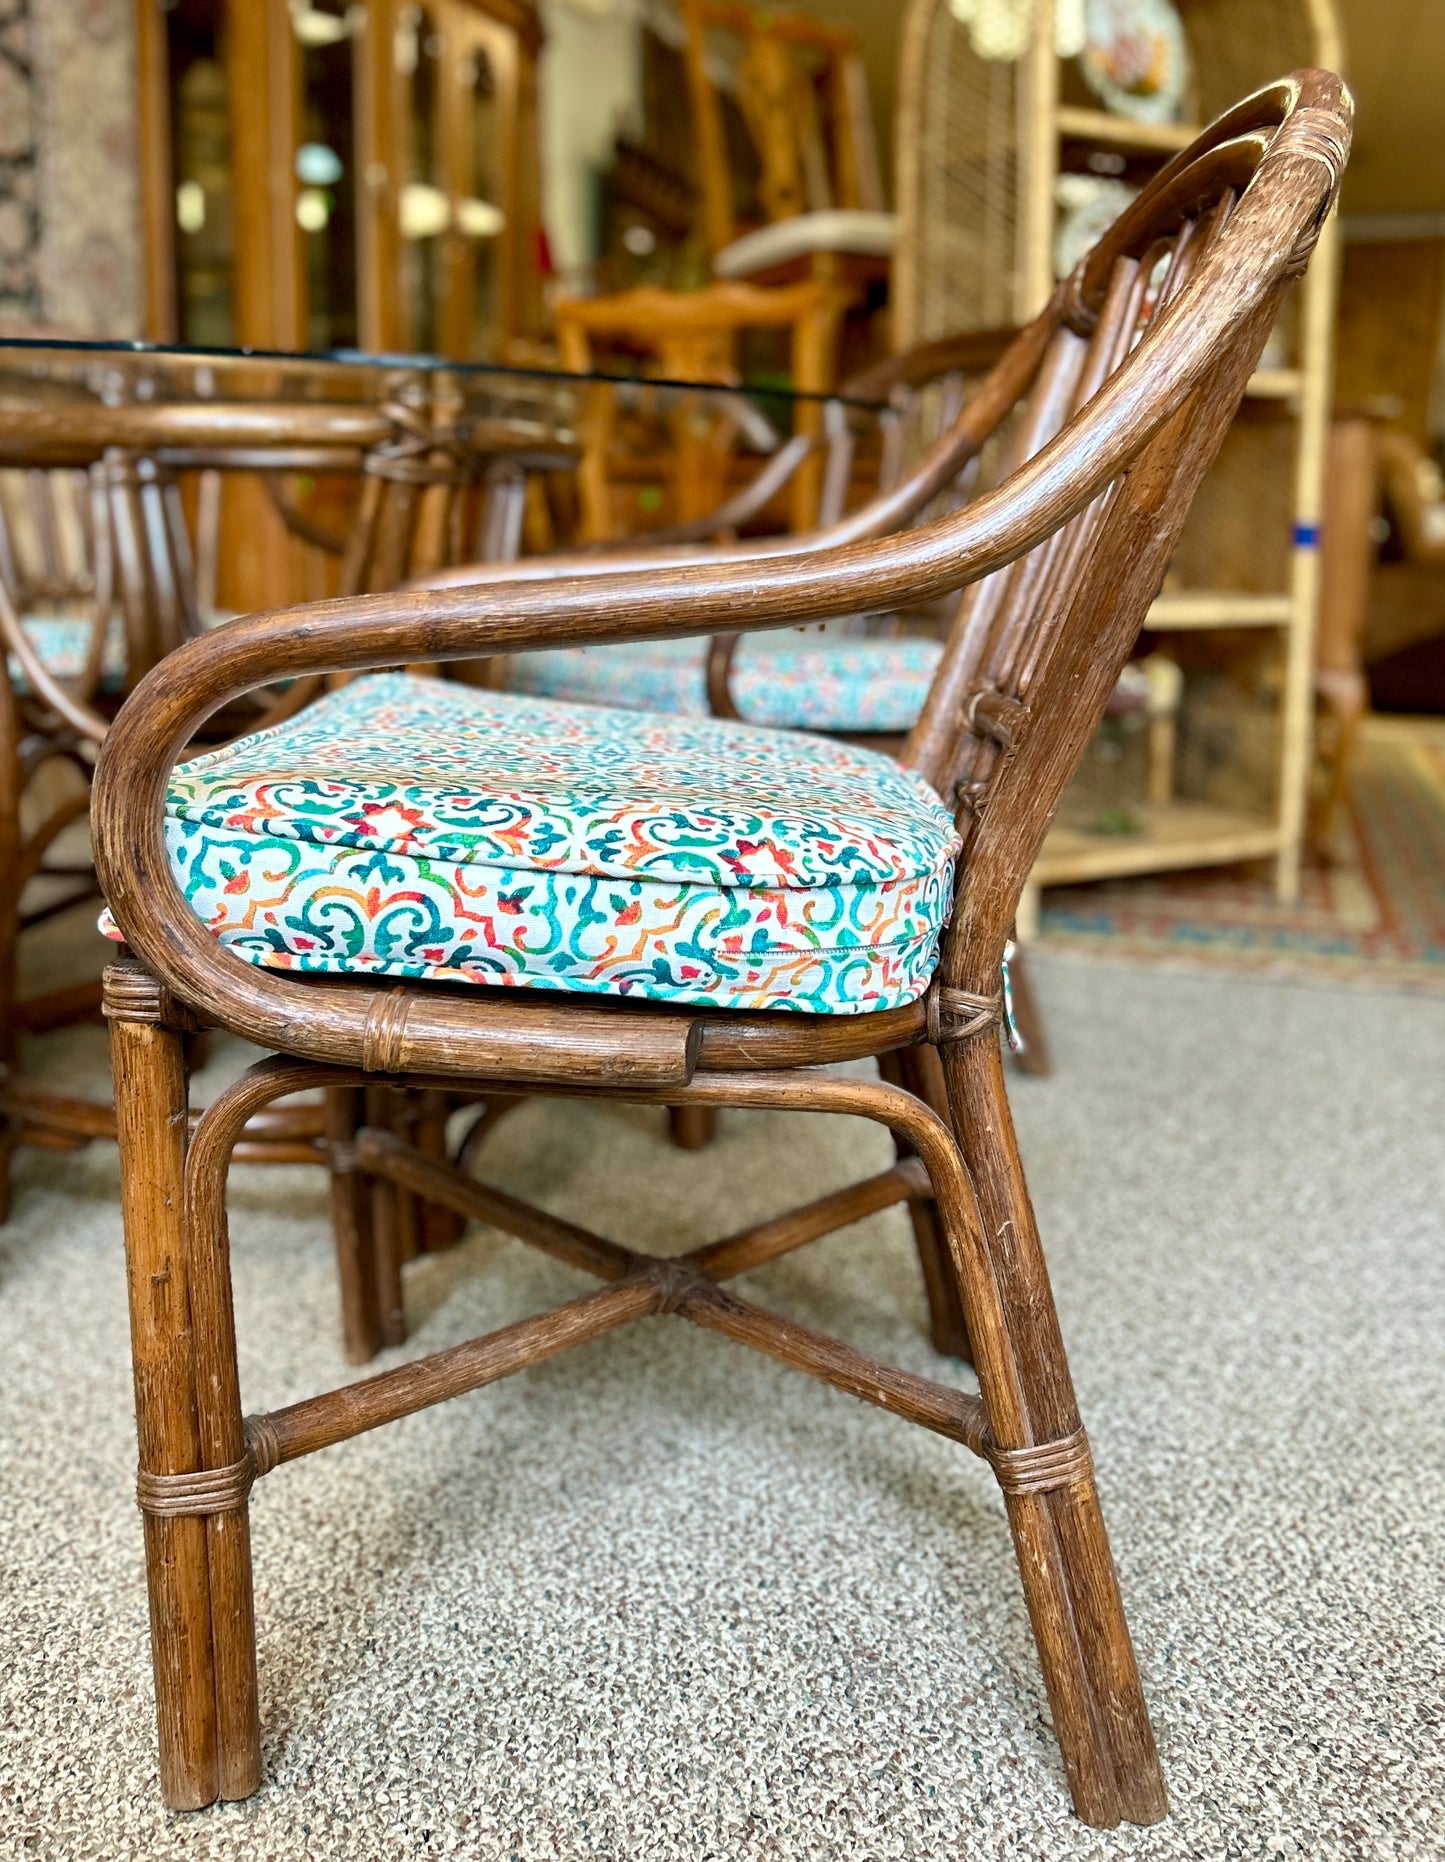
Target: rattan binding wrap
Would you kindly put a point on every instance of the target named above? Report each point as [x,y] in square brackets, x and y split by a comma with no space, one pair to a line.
[1043,1467]
[210,1490]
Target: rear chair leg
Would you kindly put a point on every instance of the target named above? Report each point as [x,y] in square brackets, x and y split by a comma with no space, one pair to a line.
[1033,1055]
[918,1072]
[692,1128]
[198,1562]
[11,782]
[1068,1573]
[351,1227]
[7,1157]
[439,1228]
[391,1211]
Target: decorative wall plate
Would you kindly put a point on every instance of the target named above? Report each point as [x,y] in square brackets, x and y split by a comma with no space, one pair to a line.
[1088,207]
[1136,58]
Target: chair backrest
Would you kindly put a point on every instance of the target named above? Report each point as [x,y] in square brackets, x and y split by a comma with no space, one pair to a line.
[1129,381]
[1211,245]
[52,549]
[803,95]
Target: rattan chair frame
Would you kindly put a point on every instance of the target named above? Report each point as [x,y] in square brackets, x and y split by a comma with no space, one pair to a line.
[1062,559]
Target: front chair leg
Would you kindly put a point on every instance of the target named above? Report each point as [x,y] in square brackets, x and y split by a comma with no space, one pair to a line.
[197,1541]
[1068,1573]
[692,1128]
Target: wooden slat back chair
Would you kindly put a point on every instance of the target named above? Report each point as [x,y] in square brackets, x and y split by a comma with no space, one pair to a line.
[693,336]
[1063,557]
[103,504]
[802,94]
[803,167]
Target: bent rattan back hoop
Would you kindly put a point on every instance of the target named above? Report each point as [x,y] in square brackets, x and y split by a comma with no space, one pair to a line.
[1106,426]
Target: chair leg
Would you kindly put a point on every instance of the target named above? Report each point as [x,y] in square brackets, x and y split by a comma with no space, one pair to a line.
[1347,699]
[7,1156]
[438,1228]
[198,1566]
[692,1128]
[388,1221]
[1033,1057]
[918,1072]
[1068,1572]
[351,1228]
[10,786]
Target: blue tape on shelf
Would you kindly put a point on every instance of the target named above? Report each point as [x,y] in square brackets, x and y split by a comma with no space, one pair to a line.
[1306,536]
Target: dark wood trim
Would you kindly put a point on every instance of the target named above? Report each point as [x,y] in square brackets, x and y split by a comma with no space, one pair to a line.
[157,180]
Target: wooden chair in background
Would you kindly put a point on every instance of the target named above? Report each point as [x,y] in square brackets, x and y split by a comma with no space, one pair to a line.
[1371,606]
[926,418]
[693,336]
[1145,354]
[803,94]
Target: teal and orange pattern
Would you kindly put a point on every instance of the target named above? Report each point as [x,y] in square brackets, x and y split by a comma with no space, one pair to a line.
[817,683]
[62,644]
[407,827]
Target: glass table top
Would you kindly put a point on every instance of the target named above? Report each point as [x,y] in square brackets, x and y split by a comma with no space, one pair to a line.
[117,373]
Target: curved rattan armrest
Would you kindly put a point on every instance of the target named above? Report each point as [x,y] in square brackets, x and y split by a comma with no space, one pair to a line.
[1197,352]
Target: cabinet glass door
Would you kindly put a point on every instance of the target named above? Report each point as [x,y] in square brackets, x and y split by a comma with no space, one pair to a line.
[325,167]
[423,204]
[200,154]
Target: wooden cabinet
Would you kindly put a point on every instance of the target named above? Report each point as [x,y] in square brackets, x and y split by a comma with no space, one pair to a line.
[322,174]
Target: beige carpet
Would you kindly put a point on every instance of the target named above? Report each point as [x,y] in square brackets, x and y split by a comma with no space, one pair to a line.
[663,1599]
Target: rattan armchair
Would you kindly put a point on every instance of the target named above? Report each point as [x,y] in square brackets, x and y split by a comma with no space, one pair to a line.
[120,585]
[1147,349]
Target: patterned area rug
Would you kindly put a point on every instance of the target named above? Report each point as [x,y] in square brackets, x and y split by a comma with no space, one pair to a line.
[1377,914]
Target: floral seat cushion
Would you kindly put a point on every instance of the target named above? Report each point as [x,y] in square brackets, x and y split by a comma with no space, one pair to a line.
[814,683]
[408,827]
[62,644]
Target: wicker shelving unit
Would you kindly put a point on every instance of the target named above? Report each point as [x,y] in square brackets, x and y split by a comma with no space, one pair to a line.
[982,143]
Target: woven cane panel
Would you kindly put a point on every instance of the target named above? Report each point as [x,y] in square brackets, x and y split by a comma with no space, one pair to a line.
[1228,746]
[1237,45]
[1112,782]
[968,186]
[1239,528]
